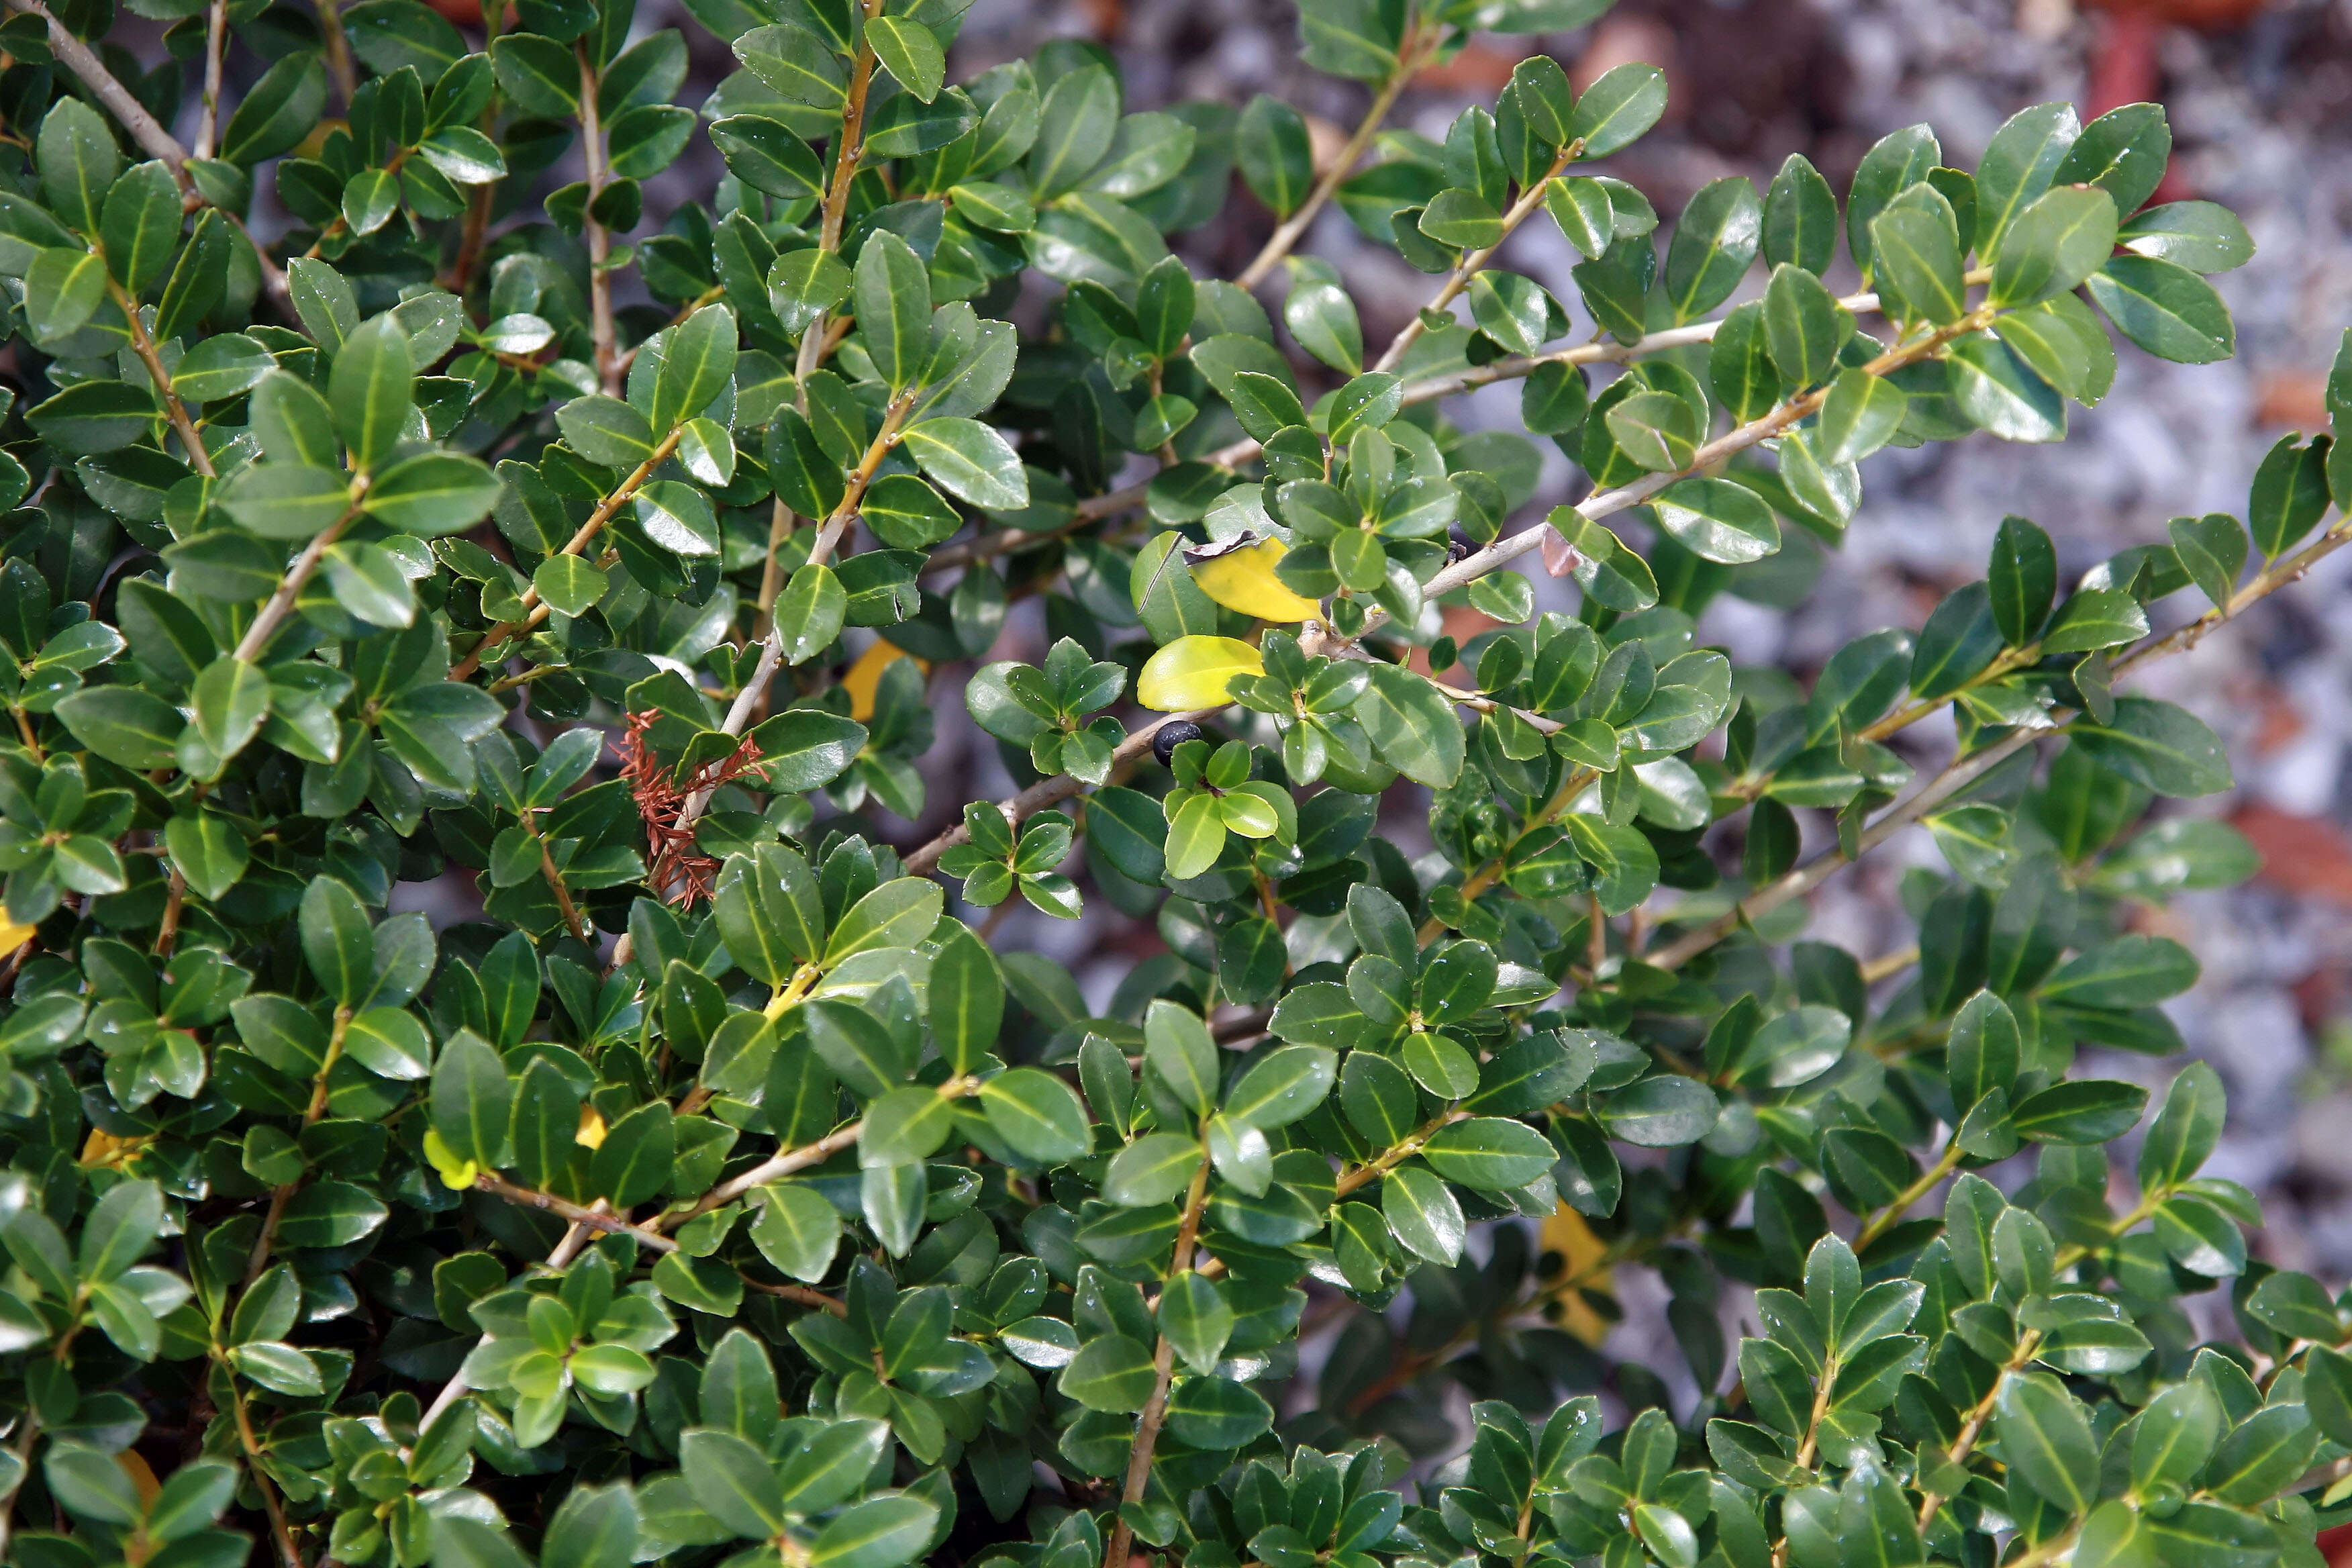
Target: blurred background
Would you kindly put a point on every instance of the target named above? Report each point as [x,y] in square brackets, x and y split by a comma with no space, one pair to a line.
[2259,94]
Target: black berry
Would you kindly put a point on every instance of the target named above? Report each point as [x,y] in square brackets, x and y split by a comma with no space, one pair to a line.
[1171,736]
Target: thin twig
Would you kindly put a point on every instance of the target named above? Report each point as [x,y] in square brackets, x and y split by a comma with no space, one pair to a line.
[1388,1159]
[1973,1426]
[1163,1372]
[273,276]
[258,1259]
[1049,792]
[1094,508]
[564,903]
[174,899]
[1887,964]
[534,608]
[600,243]
[470,236]
[281,603]
[709,296]
[339,50]
[341,225]
[1512,367]
[1479,563]
[1474,261]
[1420,44]
[828,537]
[150,135]
[79,58]
[1578,781]
[2289,569]
[247,1439]
[568,1248]
[1961,774]
[784,1162]
[28,1434]
[771,576]
[215,46]
[1886,1219]
[849,149]
[802,1294]
[597,1217]
[1966,770]
[174,409]
[773,1168]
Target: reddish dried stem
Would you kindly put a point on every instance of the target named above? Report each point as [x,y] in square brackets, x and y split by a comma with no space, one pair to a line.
[674,866]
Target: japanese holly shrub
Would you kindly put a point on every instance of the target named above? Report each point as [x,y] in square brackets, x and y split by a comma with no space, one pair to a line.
[719,1195]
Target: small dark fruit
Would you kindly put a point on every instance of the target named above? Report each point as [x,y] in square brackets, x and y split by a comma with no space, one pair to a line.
[1171,736]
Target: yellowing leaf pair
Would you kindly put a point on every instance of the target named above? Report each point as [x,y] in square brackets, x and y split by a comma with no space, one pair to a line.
[1193,672]
[456,1175]
[102,1148]
[1243,580]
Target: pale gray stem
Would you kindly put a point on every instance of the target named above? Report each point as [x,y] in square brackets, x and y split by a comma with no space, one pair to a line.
[79,58]
[215,46]
[574,1240]
[281,603]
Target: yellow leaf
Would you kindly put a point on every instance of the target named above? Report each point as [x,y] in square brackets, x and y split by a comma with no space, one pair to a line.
[592,1128]
[866,674]
[456,1175]
[317,140]
[102,1147]
[12,936]
[1243,580]
[141,1473]
[1192,672]
[1567,1234]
